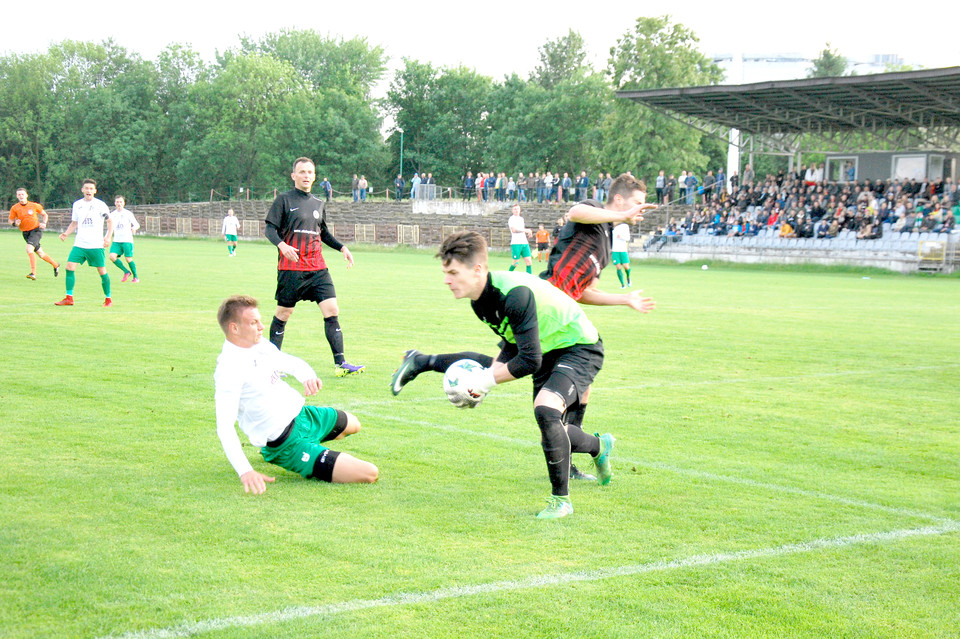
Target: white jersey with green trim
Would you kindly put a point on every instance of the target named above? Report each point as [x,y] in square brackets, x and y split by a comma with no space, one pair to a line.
[89,216]
[124,224]
[621,237]
[230,225]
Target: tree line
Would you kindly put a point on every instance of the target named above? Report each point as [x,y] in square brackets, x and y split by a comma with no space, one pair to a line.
[175,128]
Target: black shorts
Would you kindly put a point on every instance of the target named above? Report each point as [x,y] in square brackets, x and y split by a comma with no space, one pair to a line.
[308,286]
[543,246]
[568,372]
[32,237]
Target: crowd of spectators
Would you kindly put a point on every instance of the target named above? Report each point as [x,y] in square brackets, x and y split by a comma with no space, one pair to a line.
[534,187]
[802,204]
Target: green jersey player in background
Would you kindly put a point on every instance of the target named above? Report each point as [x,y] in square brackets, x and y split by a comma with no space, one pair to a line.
[124,226]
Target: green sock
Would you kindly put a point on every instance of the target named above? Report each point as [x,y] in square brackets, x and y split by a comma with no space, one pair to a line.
[71,280]
[628,275]
[513,266]
[620,277]
[529,269]
[120,265]
[133,267]
[105,284]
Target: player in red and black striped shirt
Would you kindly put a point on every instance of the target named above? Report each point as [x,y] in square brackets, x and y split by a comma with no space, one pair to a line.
[297,226]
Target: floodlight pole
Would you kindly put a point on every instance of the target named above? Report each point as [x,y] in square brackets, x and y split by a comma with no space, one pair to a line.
[401,149]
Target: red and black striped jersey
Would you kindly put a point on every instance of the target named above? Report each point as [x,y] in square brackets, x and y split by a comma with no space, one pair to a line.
[581,252]
[300,220]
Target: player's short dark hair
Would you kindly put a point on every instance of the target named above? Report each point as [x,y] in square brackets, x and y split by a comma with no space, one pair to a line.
[302,161]
[468,247]
[232,308]
[20,188]
[89,181]
[625,185]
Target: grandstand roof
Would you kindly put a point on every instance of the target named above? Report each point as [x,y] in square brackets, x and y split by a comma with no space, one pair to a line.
[927,99]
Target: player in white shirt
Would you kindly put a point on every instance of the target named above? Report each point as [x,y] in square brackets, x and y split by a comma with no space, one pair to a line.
[619,255]
[124,226]
[519,246]
[87,220]
[250,389]
[229,230]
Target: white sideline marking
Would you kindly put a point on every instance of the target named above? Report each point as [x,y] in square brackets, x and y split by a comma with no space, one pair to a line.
[540,581]
[846,501]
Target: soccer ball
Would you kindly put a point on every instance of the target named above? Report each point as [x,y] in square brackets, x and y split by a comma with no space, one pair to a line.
[460,383]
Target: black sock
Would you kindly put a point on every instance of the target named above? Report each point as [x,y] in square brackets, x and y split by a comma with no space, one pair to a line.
[331,326]
[440,363]
[580,441]
[556,448]
[276,332]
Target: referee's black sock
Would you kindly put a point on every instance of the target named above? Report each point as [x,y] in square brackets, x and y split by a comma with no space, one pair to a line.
[331,326]
[276,332]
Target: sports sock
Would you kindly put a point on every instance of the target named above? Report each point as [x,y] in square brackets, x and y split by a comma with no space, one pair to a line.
[620,277]
[513,267]
[529,269]
[70,281]
[120,265]
[133,268]
[276,332]
[556,448]
[580,441]
[331,326]
[440,363]
[105,284]
[628,275]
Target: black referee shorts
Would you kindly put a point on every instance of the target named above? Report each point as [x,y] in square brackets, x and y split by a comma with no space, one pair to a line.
[32,237]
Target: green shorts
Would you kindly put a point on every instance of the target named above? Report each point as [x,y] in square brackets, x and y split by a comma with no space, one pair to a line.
[93,256]
[301,450]
[122,248]
[230,238]
[520,250]
[620,257]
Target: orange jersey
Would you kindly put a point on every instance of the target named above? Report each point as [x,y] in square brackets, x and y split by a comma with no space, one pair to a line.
[543,237]
[29,215]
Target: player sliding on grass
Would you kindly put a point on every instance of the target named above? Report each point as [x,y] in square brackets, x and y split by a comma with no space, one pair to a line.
[249,387]
[544,334]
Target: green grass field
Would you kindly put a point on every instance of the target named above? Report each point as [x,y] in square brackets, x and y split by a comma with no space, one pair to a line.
[787,463]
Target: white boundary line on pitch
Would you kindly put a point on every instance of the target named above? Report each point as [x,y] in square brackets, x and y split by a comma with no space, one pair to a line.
[730,479]
[540,581]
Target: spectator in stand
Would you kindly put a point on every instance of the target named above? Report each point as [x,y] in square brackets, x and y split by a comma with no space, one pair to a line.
[327,188]
[565,185]
[786,230]
[362,185]
[531,186]
[399,184]
[511,188]
[709,182]
[721,186]
[468,183]
[415,186]
[605,189]
[479,185]
[521,187]
[670,189]
[749,177]
[661,186]
[949,222]
[355,187]
[431,190]
[583,186]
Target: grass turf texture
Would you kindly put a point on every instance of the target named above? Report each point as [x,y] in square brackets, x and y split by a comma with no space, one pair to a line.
[805,420]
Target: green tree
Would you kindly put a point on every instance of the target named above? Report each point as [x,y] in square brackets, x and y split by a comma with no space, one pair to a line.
[351,66]
[561,60]
[444,117]
[828,64]
[654,54]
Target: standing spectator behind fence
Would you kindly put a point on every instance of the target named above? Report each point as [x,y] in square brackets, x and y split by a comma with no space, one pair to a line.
[530,186]
[362,186]
[414,186]
[468,182]
[327,188]
[399,183]
[661,187]
[355,187]
[583,184]
[430,192]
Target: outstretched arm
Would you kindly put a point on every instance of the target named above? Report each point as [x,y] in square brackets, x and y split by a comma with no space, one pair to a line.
[596,297]
[586,214]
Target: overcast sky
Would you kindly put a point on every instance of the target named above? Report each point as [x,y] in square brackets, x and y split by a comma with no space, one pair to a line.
[494,37]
